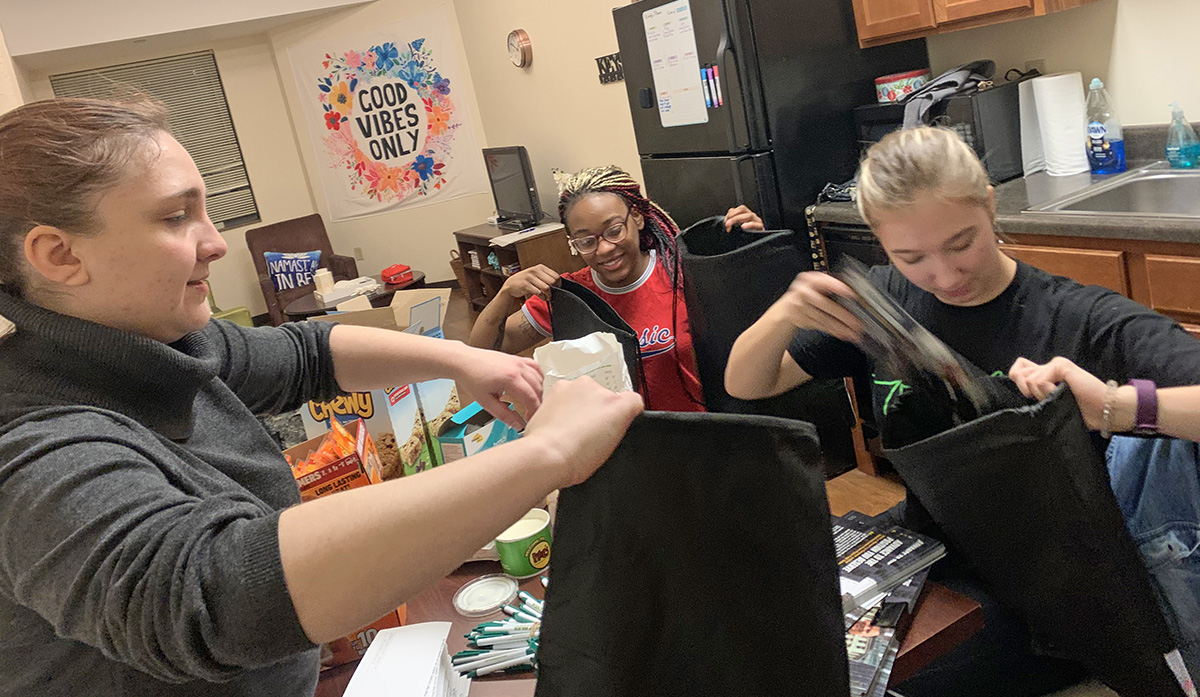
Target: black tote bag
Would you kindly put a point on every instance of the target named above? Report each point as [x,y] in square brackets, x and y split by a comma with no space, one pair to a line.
[575,312]
[1023,495]
[729,280]
[697,561]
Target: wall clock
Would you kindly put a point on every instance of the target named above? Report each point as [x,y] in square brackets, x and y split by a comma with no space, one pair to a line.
[520,50]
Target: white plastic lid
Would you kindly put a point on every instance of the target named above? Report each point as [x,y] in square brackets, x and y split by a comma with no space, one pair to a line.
[485,595]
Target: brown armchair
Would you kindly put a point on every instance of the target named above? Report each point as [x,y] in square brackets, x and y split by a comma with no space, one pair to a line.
[297,235]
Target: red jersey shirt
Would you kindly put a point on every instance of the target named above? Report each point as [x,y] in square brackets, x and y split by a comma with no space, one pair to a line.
[645,304]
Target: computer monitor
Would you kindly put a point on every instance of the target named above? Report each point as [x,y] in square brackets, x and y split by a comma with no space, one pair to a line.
[513,188]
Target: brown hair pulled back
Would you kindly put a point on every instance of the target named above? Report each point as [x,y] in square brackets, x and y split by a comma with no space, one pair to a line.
[57,159]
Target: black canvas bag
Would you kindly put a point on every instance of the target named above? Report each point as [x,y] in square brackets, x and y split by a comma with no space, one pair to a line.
[1023,495]
[729,281]
[697,561]
[575,312]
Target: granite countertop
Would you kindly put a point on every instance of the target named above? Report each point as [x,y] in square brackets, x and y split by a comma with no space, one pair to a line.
[1015,196]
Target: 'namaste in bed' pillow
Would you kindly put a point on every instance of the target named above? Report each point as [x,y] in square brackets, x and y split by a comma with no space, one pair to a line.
[290,270]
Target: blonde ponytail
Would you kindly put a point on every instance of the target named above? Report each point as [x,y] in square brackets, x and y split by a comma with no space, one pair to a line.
[907,164]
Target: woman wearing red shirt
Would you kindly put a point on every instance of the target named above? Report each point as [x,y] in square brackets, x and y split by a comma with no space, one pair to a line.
[628,243]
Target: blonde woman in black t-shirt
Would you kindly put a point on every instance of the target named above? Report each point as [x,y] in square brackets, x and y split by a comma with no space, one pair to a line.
[926,197]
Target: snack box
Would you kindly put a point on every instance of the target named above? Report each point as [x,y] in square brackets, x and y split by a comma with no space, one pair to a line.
[419,311]
[352,647]
[470,431]
[360,468]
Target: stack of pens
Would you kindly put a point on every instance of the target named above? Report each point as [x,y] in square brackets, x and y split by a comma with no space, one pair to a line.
[504,646]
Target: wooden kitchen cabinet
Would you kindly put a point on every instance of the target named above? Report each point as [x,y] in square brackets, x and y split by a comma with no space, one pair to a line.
[954,10]
[876,18]
[888,21]
[1164,276]
[1094,267]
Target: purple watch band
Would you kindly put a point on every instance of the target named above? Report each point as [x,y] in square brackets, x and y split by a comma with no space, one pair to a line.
[1146,419]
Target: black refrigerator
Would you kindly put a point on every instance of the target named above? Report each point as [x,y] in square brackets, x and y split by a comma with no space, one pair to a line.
[753,101]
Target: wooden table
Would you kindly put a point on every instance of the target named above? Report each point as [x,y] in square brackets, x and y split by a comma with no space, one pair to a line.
[307,306]
[943,619]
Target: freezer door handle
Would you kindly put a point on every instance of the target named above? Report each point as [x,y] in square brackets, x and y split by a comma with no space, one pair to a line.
[723,51]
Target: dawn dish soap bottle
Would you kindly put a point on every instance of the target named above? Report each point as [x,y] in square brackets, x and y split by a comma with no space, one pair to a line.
[1183,148]
[1106,142]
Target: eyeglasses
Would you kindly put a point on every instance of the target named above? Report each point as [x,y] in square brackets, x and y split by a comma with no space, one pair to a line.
[586,244]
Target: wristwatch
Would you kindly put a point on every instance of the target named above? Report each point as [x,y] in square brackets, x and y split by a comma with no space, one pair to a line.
[1146,418]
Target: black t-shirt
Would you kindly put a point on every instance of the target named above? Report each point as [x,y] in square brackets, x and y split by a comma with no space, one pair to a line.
[1039,316]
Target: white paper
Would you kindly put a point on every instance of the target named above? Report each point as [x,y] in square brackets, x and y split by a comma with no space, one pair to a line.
[409,661]
[675,65]
[519,235]
[597,355]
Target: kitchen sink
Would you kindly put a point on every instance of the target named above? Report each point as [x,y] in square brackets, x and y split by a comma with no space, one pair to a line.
[1154,191]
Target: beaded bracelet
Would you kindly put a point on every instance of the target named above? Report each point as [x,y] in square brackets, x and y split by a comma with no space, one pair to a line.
[1110,398]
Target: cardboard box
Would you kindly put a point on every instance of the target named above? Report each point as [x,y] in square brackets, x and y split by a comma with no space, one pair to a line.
[419,311]
[352,647]
[470,431]
[360,468]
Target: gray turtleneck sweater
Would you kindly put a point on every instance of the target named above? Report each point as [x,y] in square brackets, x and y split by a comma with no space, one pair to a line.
[139,508]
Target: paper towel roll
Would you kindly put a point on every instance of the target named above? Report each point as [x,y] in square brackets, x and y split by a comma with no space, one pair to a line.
[1033,156]
[1062,122]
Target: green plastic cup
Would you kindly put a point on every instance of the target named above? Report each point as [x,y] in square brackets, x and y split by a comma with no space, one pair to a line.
[524,548]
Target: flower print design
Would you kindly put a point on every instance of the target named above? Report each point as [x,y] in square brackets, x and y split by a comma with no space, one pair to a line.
[342,98]
[385,56]
[412,63]
[389,179]
[440,84]
[439,119]
[423,166]
[414,74]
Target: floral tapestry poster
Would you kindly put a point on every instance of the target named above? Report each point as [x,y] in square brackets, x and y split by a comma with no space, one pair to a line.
[387,116]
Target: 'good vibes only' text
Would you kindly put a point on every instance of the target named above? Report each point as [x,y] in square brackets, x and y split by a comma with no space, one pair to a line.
[390,122]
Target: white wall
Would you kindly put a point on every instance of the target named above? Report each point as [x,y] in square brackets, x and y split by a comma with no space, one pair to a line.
[50,25]
[1144,50]
[11,79]
[556,107]
[247,67]
[421,237]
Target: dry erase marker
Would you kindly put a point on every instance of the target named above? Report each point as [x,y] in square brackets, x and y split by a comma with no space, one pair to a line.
[708,97]
[717,85]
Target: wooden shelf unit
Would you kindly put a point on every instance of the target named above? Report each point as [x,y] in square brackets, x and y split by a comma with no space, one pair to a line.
[547,247]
